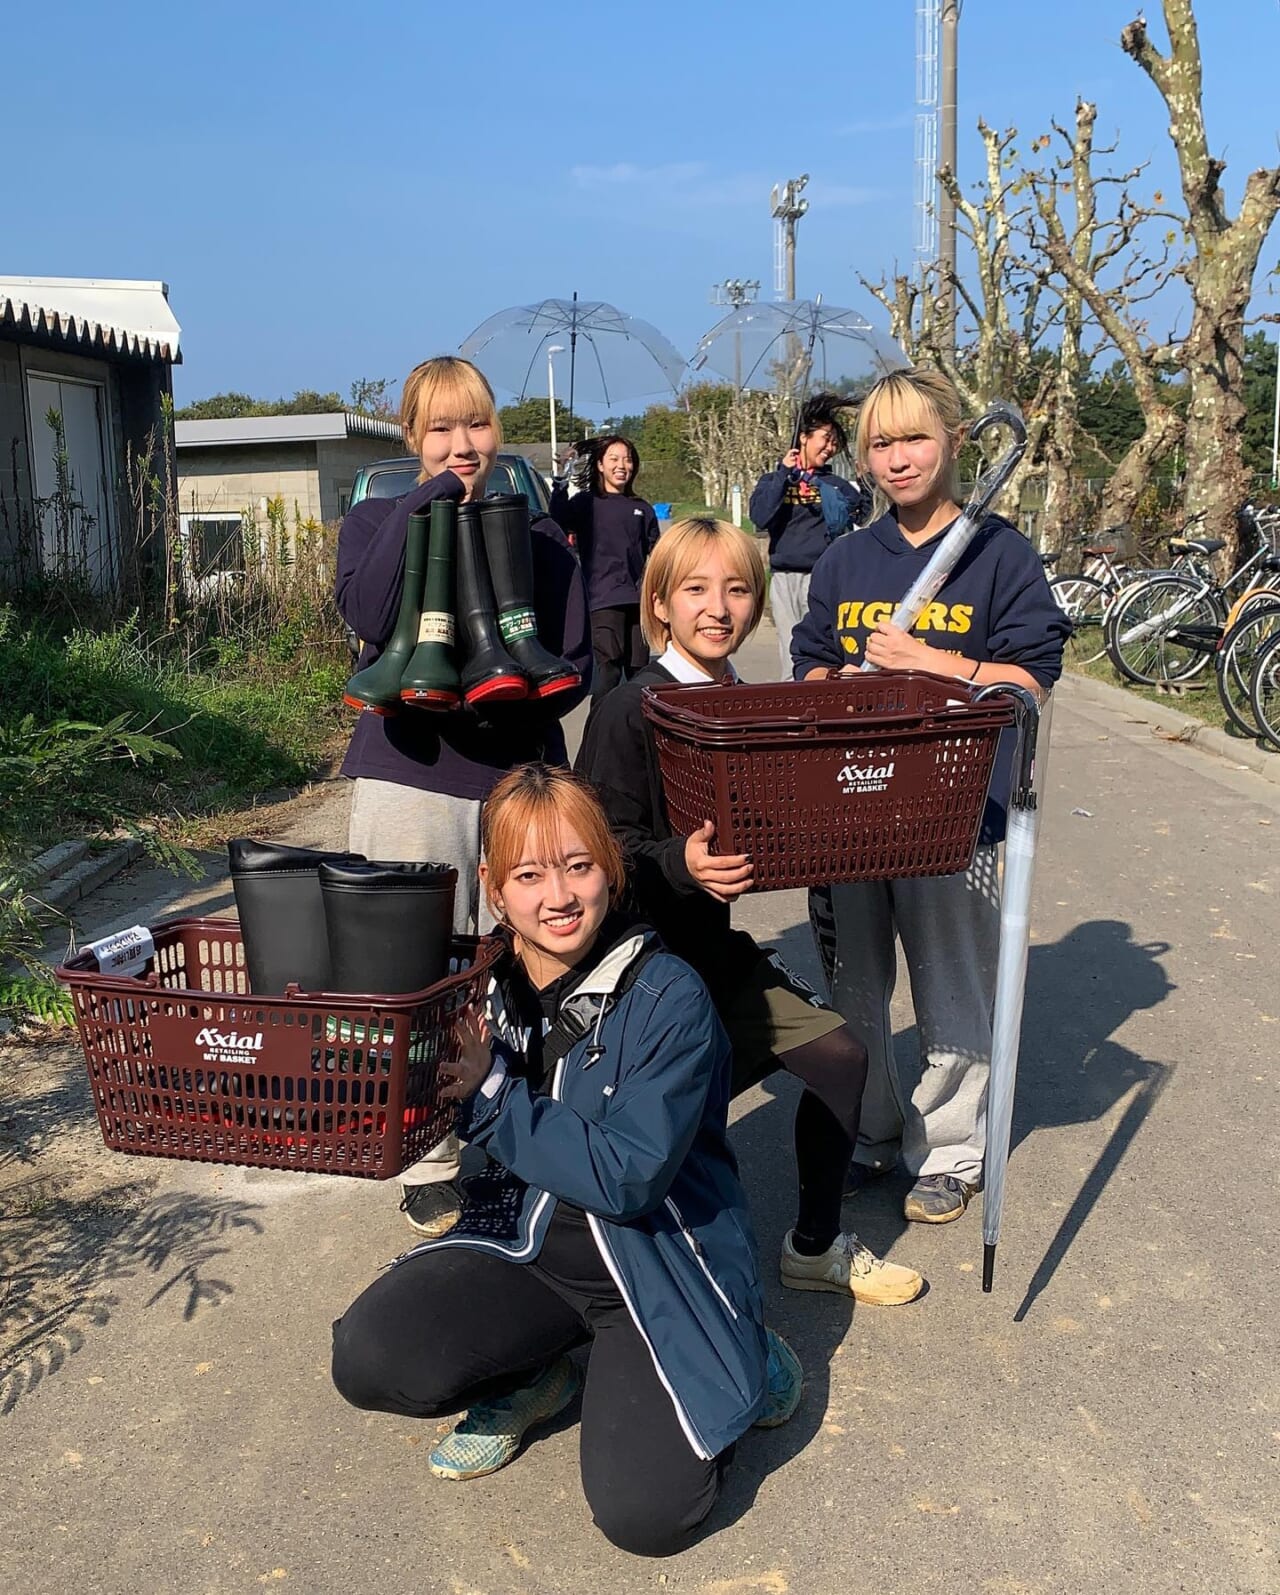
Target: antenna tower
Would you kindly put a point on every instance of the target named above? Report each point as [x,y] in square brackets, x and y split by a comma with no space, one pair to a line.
[928,117]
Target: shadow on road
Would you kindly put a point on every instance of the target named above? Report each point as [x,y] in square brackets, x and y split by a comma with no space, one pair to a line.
[62,1262]
[1080,990]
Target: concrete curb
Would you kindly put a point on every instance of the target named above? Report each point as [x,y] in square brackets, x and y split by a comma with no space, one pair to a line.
[86,872]
[1172,725]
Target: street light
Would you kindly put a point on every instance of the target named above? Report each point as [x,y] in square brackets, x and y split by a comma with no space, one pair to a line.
[553,349]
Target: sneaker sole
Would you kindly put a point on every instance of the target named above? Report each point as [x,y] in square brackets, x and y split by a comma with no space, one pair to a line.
[917,1215]
[461,1475]
[829,1286]
[433,1232]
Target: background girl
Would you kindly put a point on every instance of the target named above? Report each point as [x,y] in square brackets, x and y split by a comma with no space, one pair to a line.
[614,531]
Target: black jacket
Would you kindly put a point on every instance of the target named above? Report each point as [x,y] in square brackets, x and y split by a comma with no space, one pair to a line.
[619,758]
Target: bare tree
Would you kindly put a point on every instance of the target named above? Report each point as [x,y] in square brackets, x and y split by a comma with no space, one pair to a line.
[1220,273]
[1106,271]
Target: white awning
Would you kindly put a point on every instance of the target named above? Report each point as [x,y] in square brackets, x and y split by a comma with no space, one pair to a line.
[95,314]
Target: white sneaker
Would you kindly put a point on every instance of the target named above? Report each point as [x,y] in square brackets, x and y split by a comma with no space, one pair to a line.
[848,1267]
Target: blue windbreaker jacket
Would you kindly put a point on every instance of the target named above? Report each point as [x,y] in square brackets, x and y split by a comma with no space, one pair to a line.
[633,1131]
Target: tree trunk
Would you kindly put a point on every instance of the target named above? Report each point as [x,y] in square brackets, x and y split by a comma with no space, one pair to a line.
[1161,433]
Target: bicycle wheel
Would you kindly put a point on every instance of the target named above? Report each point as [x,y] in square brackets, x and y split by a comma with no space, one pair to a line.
[1163,630]
[1265,690]
[1084,602]
[1233,667]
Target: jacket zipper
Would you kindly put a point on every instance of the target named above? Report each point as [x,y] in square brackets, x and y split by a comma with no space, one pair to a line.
[695,1246]
[606,1257]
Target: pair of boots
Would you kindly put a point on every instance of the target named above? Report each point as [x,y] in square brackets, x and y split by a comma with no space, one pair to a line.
[468,591]
[336,922]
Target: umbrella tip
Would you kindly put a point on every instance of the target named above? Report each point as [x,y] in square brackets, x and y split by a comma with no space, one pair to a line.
[988,1266]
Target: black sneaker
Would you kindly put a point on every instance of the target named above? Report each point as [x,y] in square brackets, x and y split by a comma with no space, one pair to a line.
[431,1210]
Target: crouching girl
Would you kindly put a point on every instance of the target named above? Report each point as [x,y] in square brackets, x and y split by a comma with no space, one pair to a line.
[610,1213]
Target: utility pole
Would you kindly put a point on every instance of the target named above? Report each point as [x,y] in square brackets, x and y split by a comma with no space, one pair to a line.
[787,208]
[946,208]
[736,292]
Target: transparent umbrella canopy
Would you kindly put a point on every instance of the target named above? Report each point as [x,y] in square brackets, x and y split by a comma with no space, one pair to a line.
[612,355]
[797,345]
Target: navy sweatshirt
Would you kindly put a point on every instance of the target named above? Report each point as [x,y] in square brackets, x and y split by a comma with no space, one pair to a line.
[614,534]
[459,753]
[787,505]
[995,606]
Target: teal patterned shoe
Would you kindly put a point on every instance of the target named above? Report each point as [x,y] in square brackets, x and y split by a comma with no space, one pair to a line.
[786,1382]
[490,1435]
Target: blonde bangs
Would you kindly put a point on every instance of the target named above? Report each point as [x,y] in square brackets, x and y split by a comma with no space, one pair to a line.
[536,800]
[445,389]
[677,555]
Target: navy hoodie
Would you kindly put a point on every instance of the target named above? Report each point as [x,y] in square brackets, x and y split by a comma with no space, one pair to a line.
[995,606]
[614,534]
[458,753]
[787,504]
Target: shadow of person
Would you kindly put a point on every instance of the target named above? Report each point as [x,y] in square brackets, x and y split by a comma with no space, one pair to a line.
[1080,990]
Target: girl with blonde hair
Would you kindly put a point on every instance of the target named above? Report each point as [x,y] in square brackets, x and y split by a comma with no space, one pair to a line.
[994,620]
[701,599]
[420,778]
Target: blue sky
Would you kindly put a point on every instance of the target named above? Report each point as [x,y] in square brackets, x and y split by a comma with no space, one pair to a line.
[334,192]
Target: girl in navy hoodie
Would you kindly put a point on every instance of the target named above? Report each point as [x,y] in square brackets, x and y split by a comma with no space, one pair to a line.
[421,778]
[994,620]
[614,531]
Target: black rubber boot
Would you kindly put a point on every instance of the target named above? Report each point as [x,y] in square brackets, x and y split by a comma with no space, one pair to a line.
[505,518]
[489,673]
[281,913]
[430,679]
[377,687]
[389,925]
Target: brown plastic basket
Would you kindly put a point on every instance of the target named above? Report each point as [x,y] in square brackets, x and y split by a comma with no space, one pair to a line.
[855,778]
[185,1062]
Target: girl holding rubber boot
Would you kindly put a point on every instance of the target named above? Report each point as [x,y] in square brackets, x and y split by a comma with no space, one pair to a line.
[609,1215]
[522,657]
[993,620]
[701,599]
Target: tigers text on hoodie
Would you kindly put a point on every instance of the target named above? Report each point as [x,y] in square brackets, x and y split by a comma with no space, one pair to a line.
[995,606]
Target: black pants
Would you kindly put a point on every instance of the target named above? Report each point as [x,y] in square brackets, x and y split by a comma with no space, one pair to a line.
[449,1328]
[618,645]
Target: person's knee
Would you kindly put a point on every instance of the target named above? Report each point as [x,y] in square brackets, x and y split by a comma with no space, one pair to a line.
[647,1523]
[364,1373]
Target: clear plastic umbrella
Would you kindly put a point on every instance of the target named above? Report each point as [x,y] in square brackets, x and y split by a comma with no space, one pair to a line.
[795,345]
[612,355]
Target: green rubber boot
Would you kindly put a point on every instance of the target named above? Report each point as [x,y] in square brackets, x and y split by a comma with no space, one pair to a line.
[430,679]
[376,688]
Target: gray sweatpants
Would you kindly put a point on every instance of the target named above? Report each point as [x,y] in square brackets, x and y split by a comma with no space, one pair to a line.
[788,605]
[949,926]
[400,824]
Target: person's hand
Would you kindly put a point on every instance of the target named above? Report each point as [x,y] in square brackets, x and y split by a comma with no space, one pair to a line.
[791,459]
[464,1074]
[724,875]
[890,648]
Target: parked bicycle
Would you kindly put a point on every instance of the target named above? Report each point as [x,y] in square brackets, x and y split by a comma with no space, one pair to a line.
[1265,690]
[1086,598]
[1237,657]
[1166,628]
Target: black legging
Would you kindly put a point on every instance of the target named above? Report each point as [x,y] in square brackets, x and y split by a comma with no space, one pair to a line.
[834,1071]
[443,1330]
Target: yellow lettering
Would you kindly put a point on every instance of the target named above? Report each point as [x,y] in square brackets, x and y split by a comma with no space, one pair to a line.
[849,614]
[961,617]
[933,617]
[873,614]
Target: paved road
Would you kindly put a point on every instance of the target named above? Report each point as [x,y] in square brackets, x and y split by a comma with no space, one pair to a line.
[1108,1419]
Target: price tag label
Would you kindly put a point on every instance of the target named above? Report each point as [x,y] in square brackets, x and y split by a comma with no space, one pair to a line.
[124,953]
